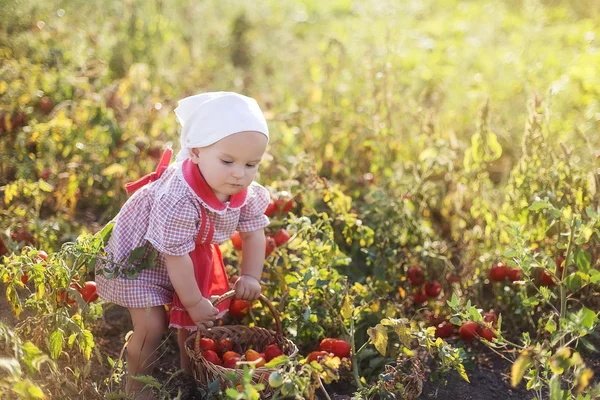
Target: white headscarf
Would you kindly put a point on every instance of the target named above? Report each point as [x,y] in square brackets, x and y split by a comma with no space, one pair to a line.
[209,117]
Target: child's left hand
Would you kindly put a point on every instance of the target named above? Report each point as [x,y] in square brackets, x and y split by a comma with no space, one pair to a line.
[247,288]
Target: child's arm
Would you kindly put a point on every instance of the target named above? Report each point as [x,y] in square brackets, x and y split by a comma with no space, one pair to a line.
[181,274]
[247,286]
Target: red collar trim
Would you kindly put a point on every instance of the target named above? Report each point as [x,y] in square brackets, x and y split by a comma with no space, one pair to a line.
[192,175]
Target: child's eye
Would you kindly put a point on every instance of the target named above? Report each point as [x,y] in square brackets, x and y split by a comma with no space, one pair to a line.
[251,165]
[226,162]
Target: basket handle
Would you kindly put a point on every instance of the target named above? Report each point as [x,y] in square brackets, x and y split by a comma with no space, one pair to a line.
[230,294]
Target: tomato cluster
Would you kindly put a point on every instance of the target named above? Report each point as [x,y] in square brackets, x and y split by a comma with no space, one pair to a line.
[500,271]
[422,292]
[281,204]
[470,330]
[88,293]
[222,353]
[332,347]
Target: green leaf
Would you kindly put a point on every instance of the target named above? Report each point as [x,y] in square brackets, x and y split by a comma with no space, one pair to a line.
[519,367]
[148,380]
[277,361]
[586,318]
[577,280]
[556,393]
[551,325]
[106,231]
[379,337]
[583,260]
[594,276]
[56,343]
[539,205]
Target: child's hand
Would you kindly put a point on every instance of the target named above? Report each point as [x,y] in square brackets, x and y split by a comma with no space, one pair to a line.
[203,312]
[247,288]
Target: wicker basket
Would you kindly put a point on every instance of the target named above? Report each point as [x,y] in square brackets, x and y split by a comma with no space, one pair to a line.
[259,338]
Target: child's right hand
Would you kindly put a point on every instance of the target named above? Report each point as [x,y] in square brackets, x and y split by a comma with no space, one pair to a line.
[203,312]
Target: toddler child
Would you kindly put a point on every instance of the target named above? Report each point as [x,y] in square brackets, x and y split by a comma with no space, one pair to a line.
[183,211]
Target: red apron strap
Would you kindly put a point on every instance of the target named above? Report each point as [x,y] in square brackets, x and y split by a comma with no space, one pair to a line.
[131,187]
[206,228]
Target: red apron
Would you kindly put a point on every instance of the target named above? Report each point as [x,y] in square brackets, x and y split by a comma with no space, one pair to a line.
[209,270]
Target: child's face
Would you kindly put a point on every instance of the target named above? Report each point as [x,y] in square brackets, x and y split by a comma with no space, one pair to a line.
[230,164]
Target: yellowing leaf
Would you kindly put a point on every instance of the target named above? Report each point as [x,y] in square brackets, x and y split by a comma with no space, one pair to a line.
[519,367]
[379,337]
[114,169]
[347,308]
[583,380]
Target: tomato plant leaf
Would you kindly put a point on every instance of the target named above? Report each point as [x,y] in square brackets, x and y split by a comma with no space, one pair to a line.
[519,367]
[583,260]
[56,343]
[379,337]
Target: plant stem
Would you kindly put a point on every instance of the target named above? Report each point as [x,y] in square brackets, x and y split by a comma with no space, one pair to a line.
[354,354]
[563,289]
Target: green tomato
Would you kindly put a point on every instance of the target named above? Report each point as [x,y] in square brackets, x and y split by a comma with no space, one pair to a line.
[275,379]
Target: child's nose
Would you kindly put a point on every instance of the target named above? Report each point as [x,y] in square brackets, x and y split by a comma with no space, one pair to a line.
[238,172]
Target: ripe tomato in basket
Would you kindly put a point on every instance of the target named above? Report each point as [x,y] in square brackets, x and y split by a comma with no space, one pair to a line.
[212,357]
[231,362]
[239,308]
[224,345]
[272,351]
[208,344]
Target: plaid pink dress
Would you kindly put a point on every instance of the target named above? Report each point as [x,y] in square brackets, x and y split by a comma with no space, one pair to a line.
[167,215]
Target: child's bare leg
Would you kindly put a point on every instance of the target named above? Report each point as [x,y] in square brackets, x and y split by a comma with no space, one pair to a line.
[149,324]
[184,359]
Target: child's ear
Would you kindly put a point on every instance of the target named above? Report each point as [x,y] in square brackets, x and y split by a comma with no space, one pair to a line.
[195,155]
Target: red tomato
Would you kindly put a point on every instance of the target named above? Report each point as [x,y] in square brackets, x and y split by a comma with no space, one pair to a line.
[43,255]
[224,345]
[468,331]
[487,334]
[284,202]
[498,272]
[88,292]
[212,357]
[208,344]
[314,356]
[231,362]
[282,237]
[490,317]
[444,330]
[419,297]
[546,279]
[270,246]
[231,354]
[46,104]
[270,208]
[415,276]
[64,297]
[514,274]
[341,349]
[560,264]
[24,278]
[252,355]
[239,308]
[433,289]
[327,344]
[45,174]
[236,240]
[272,351]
